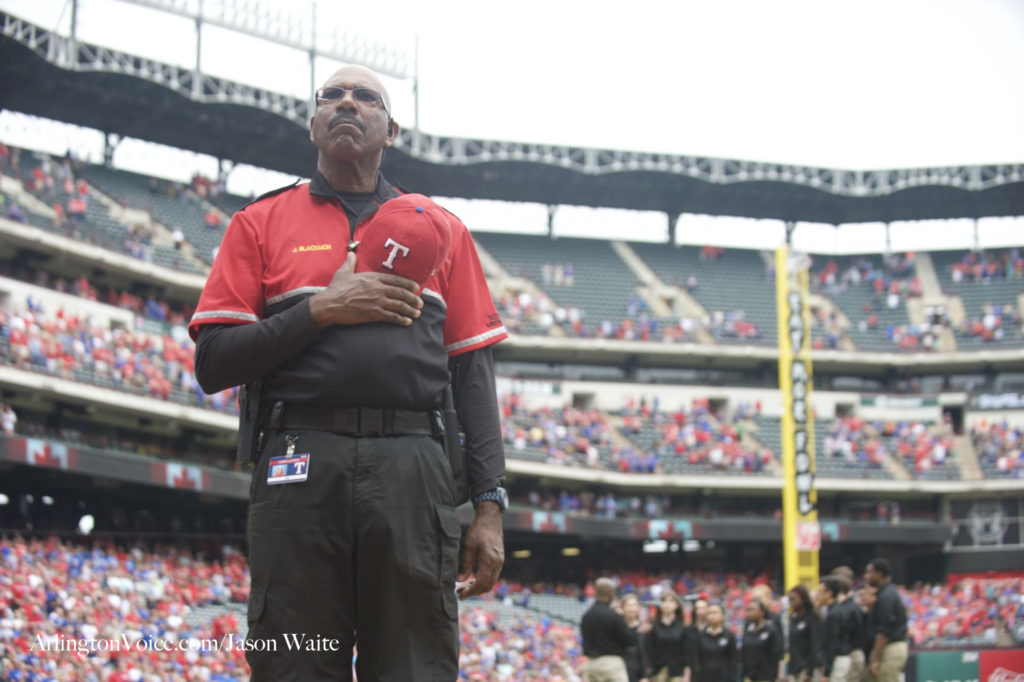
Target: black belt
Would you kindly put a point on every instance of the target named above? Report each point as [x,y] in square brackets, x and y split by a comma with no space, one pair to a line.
[353,421]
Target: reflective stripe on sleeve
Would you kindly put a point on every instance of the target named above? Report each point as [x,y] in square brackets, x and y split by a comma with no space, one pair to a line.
[473,340]
[230,314]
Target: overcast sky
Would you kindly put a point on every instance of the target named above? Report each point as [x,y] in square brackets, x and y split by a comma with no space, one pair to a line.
[859,85]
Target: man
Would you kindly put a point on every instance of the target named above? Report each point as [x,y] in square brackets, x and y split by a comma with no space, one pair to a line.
[859,657]
[352,530]
[606,637]
[842,628]
[888,623]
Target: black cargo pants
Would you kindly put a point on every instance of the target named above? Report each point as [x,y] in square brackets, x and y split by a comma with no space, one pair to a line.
[363,552]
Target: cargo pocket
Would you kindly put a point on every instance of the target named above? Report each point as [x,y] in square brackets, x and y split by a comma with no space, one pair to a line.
[450,535]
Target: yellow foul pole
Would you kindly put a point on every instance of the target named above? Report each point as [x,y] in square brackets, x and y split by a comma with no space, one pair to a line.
[801,534]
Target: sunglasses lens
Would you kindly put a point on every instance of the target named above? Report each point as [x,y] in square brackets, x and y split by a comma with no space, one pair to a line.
[361,95]
[365,96]
[328,94]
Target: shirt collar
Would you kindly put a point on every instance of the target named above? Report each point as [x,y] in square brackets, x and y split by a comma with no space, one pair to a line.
[385,190]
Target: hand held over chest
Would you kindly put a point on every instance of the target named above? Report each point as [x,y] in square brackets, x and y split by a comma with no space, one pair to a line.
[355,298]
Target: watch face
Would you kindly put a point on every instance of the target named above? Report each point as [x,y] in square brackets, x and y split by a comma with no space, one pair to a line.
[498,495]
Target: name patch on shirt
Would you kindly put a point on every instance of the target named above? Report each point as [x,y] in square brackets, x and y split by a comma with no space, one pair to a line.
[288,469]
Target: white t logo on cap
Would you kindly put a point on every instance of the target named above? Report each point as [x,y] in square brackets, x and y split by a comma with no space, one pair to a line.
[395,248]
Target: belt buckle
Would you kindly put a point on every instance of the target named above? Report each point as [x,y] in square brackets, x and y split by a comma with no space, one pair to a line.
[371,421]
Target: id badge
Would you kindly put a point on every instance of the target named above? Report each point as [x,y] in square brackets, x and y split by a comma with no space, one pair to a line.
[288,469]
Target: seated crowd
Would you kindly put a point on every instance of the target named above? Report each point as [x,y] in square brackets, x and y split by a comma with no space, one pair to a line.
[53,590]
[58,185]
[568,436]
[994,322]
[525,313]
[890,279]
[149,306]
[860,443]
[576,437]
[600,504]
[699,435]
[1000,447]
[65,344]
[893,280]
[989,266]
[650,439]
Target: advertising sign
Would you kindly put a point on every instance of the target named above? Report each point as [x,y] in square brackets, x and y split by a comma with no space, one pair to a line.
[947,666]
[1001,665]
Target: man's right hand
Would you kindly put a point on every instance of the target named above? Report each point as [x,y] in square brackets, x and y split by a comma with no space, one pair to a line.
[355,298]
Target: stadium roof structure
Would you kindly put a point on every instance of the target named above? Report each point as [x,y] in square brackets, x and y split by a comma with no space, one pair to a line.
[45,74]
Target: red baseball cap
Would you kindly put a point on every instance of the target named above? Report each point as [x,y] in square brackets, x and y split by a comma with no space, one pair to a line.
[408,236]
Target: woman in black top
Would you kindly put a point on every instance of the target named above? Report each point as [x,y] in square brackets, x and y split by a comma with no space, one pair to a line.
[716,649]
[667,641]
[636,656]
[806,653]
[760,656]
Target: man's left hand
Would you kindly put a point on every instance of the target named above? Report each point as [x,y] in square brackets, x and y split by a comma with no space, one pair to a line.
[485,549]
[873,668]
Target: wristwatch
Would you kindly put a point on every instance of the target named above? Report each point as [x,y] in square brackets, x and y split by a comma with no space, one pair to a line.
[499,495]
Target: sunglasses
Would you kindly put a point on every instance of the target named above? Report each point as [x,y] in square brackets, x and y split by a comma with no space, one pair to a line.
[365,96]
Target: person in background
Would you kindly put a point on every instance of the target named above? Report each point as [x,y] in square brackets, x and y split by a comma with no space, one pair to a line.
[698,621]
[8,419]
[763,593]
[888,623]
[636,656]
[700,612]
[858,657]
[843,629]
[866,598]
[606,637]
[667,643]
[716,648]
[805,651]
[761,655]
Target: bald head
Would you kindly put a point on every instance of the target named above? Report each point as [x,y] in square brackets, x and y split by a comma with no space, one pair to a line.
[604,589]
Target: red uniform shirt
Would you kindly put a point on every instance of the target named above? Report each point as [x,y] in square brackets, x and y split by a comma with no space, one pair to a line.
[282,249]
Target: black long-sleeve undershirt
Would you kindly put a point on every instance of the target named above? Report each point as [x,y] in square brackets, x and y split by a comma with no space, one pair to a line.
[231,355]
[234,354]
[476,403]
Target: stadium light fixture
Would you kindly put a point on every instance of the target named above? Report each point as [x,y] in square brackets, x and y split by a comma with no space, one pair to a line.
[86,524]
[655,546]
[4,500]
[691,545]
[570,551]
[47,500]
[521,554]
